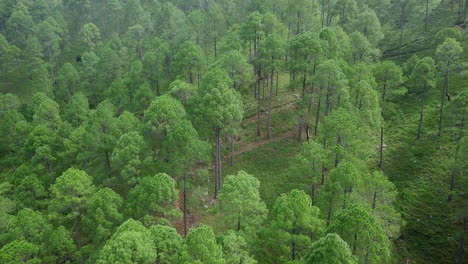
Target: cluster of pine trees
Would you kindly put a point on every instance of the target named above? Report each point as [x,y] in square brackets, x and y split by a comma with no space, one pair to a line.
[112,110]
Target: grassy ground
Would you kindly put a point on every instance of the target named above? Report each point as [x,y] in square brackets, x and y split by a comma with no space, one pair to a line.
[421,171]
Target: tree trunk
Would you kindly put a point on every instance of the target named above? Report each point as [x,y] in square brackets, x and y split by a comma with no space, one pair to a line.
[381,146]
[444,91]
[354,242]
[374,199]
[318,112]
[461,248]
[277,83]
[299,130]
[232,150]
[337,160]
[218,162]
[269,106]
[185,205]
[313,194]
[454,168]
[304,80]
[421,116]
[108,164]
[426,15]
[215,40]
[330,210]
[258,110]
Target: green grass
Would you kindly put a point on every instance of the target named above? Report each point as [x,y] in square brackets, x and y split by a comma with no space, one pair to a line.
[269,164]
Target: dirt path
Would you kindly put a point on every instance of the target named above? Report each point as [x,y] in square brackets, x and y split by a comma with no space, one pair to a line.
[254,145]
[263,114]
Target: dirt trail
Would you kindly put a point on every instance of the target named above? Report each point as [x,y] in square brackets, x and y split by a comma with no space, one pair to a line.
[264,114]
[256,144]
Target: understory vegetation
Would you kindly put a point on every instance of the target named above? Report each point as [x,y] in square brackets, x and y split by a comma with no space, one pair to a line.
[233,131]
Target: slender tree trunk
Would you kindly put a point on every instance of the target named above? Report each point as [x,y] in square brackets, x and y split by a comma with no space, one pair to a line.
[299,129]
[238,223]
[454,168]
[354,242]
[258,111]
[269,106]
[293,245]
[444,91]
[330,210]
[313,194]
[304,80]
[318,112]
[108,164]
[461,248]
[374,199]
[277,83]
[426,16]
[215,40]
[232,150]
[218,162]
[421,116]
[381,145]
[185,205]
[337,159]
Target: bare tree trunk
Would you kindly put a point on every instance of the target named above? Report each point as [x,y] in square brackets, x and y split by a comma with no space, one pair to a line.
[108,164]
[313,194]
[444,91]
[269,106]
[277,83]
[461,248]
[426,16]
[217,162]
[232,150]
[374,199]
[381,145]
[421,116]
[454,168]
[185,205]
[318,112]
[258,112]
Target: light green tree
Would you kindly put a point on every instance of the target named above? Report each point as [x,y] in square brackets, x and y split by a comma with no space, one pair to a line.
[448,57]
[330,249]
[70,194]
[295,224]
[363,233]
[218,108]
[201,247]
[424,77]
[389,76]
[102,216]
[131,243]
[167,242]
[153,199]
[126,158]
[240,204]
[235,249]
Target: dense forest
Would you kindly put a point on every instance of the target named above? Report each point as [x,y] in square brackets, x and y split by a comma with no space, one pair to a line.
[233,131]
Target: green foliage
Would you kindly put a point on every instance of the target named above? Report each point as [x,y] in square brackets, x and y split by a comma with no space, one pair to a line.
[70,193]
[167,243]
[152,199]
[215,104]
[102,215]
[240,204]
[295,223]
[131,243]
[330,249]
[201,247]
[19,251]
[363,233]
